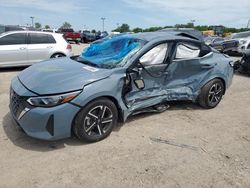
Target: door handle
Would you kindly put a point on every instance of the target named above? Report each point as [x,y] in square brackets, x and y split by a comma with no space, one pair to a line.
[22,48]
[209,66]
[49,46]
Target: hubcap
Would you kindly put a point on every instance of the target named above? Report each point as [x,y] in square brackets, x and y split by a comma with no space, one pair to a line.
[98,120]
[215,94]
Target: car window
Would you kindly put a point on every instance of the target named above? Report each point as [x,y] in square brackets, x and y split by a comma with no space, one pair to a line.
[39,38]
[187,51]
[13,39]
[51,39]
[218,39]
[155,56]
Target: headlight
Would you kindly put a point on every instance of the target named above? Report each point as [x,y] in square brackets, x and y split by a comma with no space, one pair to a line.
[53,100]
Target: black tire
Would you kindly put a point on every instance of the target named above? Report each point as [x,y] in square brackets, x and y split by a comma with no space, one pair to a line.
[96,120]
[57,55]
[211,94]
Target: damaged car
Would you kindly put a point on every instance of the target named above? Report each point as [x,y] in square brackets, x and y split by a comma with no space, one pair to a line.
[113,79]
[243,66]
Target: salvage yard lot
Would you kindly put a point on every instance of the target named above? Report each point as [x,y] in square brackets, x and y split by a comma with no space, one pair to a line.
[186,146]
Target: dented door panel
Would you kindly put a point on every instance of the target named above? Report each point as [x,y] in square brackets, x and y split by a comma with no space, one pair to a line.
[180,80]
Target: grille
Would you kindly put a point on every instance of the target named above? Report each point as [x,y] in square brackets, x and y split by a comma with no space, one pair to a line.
[17,103]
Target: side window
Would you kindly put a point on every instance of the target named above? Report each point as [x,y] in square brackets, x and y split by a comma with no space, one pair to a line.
[155,56]
[187,51]
[13,39]
[51,39]
[39,38]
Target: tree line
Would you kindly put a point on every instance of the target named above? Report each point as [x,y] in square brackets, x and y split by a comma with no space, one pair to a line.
[126,28]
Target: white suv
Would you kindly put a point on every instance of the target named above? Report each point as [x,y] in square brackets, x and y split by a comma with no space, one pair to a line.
[20,48]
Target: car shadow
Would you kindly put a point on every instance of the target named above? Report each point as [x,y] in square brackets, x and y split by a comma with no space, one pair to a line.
[173,106]
[13,69]
[242,74]
[18,137]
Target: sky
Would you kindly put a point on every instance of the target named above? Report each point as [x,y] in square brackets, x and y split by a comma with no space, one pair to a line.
[86,14]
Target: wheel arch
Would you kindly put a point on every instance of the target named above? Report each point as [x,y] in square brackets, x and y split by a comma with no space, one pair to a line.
[111,98]
[216,77]
[57,53]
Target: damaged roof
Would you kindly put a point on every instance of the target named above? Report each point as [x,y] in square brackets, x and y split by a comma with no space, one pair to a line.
[162,35]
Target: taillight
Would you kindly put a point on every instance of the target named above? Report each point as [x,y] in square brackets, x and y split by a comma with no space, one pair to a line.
[69,47]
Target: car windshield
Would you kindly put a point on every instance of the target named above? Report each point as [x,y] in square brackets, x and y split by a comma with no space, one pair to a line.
[111,53]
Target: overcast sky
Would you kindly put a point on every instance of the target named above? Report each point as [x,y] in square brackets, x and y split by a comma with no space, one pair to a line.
[141,13]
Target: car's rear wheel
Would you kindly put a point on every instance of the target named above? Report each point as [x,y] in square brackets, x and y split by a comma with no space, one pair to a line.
[211,94]
[57,55]
[96,121]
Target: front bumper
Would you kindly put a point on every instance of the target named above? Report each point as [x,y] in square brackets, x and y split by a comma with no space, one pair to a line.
[43,123]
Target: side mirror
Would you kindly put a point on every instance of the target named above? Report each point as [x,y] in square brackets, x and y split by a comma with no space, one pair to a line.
[139,83]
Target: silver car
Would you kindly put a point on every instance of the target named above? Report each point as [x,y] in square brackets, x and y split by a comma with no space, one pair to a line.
[20,48]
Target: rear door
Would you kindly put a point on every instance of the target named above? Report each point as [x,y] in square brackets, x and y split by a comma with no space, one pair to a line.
[190,65]
[13,50]
[40,46]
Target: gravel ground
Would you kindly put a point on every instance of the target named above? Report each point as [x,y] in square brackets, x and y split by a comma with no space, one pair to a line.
[186,146]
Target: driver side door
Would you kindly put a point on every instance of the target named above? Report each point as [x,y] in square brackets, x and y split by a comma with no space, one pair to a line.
[147,79]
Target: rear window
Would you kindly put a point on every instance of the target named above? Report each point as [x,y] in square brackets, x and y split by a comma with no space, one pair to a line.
[13,39]
[39,38]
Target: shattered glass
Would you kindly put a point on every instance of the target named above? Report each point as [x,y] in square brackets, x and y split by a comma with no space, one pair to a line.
[112,53]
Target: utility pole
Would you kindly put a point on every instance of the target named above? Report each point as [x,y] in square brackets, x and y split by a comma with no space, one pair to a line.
[248,23]
[103,19]
[192,21]
[32,20]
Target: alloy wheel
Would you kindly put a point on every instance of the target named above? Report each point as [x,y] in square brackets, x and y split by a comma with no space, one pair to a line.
[215,93]
[98,120]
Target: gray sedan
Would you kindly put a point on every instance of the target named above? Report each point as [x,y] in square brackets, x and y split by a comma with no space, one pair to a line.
[115,78]
[20,48]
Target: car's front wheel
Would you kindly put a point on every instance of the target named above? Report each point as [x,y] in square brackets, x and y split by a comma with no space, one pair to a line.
[211,94]
[96,121]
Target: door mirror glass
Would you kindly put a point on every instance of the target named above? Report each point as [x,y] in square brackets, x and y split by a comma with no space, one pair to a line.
[139,83]
[155,56]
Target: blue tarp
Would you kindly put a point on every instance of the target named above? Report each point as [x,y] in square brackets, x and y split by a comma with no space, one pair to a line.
[110,52]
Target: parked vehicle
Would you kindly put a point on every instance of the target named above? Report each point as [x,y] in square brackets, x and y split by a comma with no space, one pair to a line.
[243,66]
[101,35]
[242,38]
[87,36]
[222,45]
[244,45]
[114,79]
[70,35]
[20,48]
[50,30]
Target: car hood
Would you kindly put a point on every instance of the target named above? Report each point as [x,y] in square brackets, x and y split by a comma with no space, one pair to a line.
[60,75]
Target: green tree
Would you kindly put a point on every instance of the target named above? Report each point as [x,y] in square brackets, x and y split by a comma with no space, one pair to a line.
[137,30]
[66,25]
[123,28]
[47,27]
[93,31]
[38,25]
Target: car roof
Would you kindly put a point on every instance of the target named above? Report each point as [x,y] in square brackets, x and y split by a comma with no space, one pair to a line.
[26,31]
[161,36]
